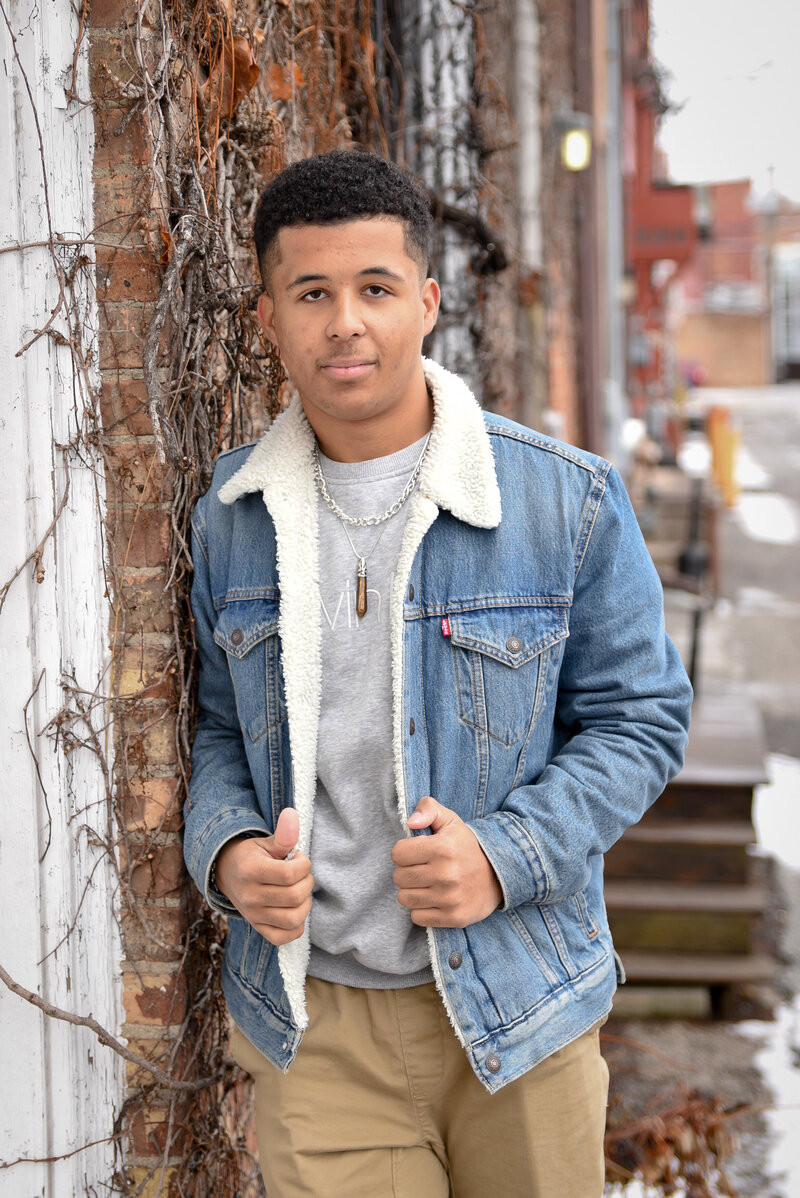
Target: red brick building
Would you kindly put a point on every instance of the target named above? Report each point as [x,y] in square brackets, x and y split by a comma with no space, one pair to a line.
[660,226]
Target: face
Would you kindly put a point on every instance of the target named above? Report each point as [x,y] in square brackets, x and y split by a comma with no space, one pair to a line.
[348,312]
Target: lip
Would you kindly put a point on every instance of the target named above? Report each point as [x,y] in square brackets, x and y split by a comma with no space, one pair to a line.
[347,370]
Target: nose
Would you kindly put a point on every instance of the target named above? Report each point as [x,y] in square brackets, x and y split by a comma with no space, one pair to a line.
[345,318]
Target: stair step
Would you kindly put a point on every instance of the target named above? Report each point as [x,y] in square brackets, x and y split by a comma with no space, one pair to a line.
[726,744]
[704,968]
[676,931]
[678,896]
[699,832]
[717,802]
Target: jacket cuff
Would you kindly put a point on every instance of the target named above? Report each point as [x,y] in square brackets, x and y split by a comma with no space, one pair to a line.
[515,858]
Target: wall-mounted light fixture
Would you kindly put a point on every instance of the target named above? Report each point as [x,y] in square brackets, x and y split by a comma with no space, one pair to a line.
[574,130]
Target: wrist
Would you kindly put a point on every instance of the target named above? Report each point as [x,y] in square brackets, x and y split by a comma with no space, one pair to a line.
[213,884]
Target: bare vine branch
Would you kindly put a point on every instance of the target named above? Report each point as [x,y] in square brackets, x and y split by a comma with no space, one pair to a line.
[36,554]
[36,762]
[166,438]
[105,1038]
[62,1156]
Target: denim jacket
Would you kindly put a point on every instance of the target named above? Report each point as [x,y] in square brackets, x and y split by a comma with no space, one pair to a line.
[535,692]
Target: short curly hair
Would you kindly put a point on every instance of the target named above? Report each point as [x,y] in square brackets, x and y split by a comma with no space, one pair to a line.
[339,186]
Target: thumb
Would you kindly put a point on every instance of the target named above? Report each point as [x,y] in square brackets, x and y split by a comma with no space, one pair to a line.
[287,831]
[430,814]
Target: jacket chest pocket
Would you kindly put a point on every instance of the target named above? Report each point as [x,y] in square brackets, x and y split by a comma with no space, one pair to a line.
[248,632]
[501,657]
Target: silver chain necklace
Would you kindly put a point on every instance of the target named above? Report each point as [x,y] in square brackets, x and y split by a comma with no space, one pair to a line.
[364,521]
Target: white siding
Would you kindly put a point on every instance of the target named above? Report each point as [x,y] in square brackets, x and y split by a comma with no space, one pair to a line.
[60,1089]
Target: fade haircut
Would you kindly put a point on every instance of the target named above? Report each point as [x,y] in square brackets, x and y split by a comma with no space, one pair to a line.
[339,186]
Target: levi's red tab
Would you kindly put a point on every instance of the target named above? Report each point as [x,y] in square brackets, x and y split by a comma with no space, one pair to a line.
[446,627]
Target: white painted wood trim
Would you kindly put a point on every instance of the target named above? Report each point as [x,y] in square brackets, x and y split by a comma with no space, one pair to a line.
[60,1088]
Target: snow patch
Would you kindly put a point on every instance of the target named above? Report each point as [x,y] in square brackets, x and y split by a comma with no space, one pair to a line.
[750,474]
[778,1058]
[776,811]
[772,519]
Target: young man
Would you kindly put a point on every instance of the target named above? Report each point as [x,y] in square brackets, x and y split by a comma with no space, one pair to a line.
[433,671]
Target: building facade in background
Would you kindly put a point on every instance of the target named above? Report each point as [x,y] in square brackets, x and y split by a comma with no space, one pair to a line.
[735,312]
[711,270]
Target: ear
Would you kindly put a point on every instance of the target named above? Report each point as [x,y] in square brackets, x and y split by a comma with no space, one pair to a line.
[266,316]
[431,296]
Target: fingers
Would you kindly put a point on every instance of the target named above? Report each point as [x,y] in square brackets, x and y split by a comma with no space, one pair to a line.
[259,866]
[444,879]
[413,877]
[287,831]
[438,897]
[414,850]
[426,890]
[430,814]
[279,913]
[280,925]
[433,917]
[271,893]
[284,896]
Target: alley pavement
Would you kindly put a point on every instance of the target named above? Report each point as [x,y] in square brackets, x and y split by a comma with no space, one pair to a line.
[751,637]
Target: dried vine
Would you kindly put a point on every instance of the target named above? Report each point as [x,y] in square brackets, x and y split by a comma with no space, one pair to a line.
[226,99]
[681,1147]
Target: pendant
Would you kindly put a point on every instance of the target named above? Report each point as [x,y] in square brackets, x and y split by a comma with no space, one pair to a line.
[361,588]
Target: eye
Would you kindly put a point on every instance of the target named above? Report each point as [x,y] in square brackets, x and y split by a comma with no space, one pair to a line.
[313,296]
[375,290]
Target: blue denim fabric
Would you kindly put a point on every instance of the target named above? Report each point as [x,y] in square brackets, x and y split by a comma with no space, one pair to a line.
[550,718]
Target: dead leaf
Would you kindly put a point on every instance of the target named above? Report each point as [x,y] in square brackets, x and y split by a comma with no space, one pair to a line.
[166,241]
[231,76]
[283,80]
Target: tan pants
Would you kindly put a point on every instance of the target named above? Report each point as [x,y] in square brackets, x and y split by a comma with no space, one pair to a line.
[381,1102]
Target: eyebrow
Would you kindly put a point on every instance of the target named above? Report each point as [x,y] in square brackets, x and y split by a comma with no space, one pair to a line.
[382,271]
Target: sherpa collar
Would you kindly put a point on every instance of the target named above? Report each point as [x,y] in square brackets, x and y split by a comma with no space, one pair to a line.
[458,474]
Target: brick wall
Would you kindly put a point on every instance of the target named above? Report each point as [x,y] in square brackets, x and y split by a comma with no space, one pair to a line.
[559,218]
[153,911]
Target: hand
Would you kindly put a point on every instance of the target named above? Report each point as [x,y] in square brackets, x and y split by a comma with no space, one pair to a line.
[272,894]
[444,879]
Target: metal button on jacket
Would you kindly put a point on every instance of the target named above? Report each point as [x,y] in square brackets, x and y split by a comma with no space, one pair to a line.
[411,593]
[412,727]
[454,960]
[237,636]
[513,644]
[493,1063]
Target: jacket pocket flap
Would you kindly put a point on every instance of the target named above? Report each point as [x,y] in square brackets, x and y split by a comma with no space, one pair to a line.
[244,623]
[512,635]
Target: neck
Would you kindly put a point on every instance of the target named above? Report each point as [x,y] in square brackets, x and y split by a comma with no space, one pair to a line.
[373,437]
[365,448]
